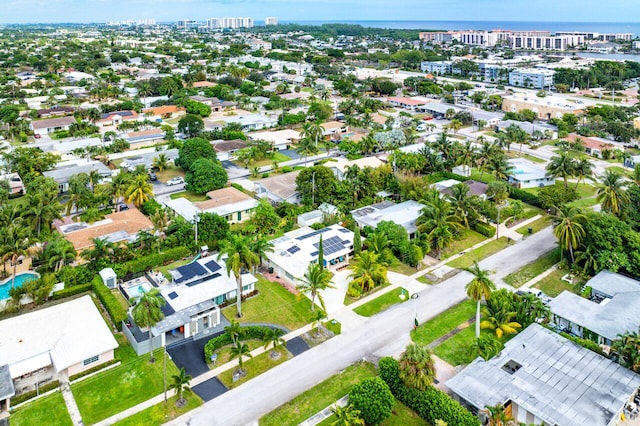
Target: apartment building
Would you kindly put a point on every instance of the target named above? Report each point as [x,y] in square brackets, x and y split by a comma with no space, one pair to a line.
[439,67]
[271,20]
[546,42]
[187,24]
[229,23]
[531,77]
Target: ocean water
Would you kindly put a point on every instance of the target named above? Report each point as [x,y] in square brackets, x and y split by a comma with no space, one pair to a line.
[601,27]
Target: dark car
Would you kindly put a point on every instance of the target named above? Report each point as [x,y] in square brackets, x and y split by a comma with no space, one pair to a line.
[123,207]
[152,176]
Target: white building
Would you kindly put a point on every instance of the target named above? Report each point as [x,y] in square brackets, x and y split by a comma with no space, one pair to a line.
[440,67]
[232,204]
[546,42]
[527,174]
[270,20]
[531,77]
[279,188]
[404,214]
[230,23]
[51,125]
[341,165]
[55,343]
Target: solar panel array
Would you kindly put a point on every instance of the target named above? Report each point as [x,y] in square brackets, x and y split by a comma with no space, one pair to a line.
[331,245]
[173,295]
[190,270]
[212,265]
[293,249]
[343,230]
[312,234]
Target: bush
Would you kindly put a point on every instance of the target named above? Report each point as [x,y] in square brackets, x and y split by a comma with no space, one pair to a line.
[109,301]
[32,394]
[71,291]
[524,196]
[430,404]
[373,399]
[93,369]
[484,229]
[287,169]
[251,332]
[145,263]
[265,175]
[74,275]
[553,195]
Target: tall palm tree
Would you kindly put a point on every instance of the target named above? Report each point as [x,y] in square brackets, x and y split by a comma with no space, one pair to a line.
[612,192]
[139,191]
[417,369]
[367,272]
[147,312]
[478,289]
[459,199]
[41,211]
[237,250]
[180,382]
[234,330]
[346,416]
[240,350]
[102,249]
[568,228]
[60,251]
[498,164]
[16,243]
[563,166]
[583,169]
[274,338]
[439,238]
[118,186]
[315,280]
[161,162]
[260,245]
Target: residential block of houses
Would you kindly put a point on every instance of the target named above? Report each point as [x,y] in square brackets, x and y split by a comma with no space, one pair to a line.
[232,204]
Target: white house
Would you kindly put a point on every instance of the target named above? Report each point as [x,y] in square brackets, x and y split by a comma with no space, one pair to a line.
[281,139]
[527,174]
[62,174]
[339,166]
[279,188]
[404,214]
[55,343]
[232,204]
[51,125]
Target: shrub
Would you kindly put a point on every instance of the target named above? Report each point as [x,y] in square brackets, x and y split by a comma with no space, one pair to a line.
[373,399]
[93,369]
[109,301]
[265,175]
[524,196]
[251,332]
[74,275]
[484,229]
[71,291]
[32,394]
[145,263]
[287,169]
[430,404]
[553,195]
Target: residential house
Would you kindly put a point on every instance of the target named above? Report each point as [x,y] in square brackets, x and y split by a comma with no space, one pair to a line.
[225,149]
[216,104]
[163,112]
[527,174]
[475,187]
[404,214]
[406,103]
[439,110]
[279,188]
[612,309]
[55,112]
[546,108]
[51,125]
[545,130]
[62,174]
[232,204]
[339,166]
[594,145]
[281,139]
[248,122]
[116,118]
[489,119]
[54,343]
[16,186]
[540,377]
[144,137]
[333,129]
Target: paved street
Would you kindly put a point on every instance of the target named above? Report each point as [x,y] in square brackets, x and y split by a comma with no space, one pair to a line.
[383,334]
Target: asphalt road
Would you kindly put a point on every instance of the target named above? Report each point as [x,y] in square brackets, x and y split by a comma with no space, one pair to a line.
[380,335]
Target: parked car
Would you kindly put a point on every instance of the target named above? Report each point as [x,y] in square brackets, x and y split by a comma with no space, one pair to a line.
[175,181]
[421,127]
[37,136]
[152,176]
[427,118]
[122,207]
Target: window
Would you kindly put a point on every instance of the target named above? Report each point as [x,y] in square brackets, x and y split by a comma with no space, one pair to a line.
[91,360]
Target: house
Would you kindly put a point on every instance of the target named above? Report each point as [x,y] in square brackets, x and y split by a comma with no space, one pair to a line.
[489,119]
[539,130]
[144,137]
[341,165]
[192,310]
[532,78]
[475,187]
[54,343]
[279,188]
[216,104]
[546,108]
[593,145]
[540,377]
[118,227]
[438,110]
[293,252]
[527,174]
[51,125]
[636,122]
[310,218]
[163,112]
[16,186]
[225,149]
[232,204]
[406,103]
[248,122]
[404,214]
[6,392]
[612,309]
[55,111]
[62,174]
[333,128]
[281,139]
[116,118]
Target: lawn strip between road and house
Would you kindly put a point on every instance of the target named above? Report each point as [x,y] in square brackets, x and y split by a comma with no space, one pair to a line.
[161,413]
[383,302]
[533,269]
[444,323]
[479,253]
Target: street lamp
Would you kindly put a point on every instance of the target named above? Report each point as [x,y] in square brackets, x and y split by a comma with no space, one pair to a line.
[196,219]
[415,296]
[165,371]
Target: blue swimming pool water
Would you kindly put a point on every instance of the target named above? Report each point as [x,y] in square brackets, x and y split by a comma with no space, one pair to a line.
[20,280]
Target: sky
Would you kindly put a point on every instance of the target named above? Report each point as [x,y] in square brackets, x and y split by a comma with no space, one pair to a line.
[25,11]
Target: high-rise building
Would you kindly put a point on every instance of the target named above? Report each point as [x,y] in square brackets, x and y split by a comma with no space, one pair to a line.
[271,20]
[229,23]
[187,24]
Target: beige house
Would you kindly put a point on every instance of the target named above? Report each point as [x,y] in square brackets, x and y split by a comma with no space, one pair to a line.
[546,108]
[232,204]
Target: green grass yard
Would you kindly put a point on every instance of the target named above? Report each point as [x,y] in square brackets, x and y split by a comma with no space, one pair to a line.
[552,285]
[49,410]
[161,413]
[274,304]
[479,253]
[277,157]
[468,239]
[457,349]
[533,269]
[254,367]
[169,173]
[383,302]
[444,323]
[320,396]
[401,415]
[536,225]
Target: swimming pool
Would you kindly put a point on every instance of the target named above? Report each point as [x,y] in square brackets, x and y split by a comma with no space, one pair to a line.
[136,289]
[21,278]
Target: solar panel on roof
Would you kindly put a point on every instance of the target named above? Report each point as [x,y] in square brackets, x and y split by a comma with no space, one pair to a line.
[167,310]
[186,273]
[315,253]
[343,230]
[212,265]
[312,234]
[197,268]
[293,249]
[173,295]
[345,242]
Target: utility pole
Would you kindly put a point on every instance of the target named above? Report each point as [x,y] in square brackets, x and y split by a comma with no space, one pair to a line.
[165,372]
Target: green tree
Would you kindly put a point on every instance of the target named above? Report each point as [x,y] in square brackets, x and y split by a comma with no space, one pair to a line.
[139,191]
[357,242]
[417,369]
[264,218]
[161,162]
[273,338]
[500,319]
[239,257]
[16,242]
[212,228]
[195,149]
[568,229]
[315,280]
[373,399]
[180,382]
[147,312]
[205,175]
[346,416]
[234,330]
[316,185]
[191,125]
[240,350]
[563,166]
[366,273]
[479,288]
[487,346]
[612,194]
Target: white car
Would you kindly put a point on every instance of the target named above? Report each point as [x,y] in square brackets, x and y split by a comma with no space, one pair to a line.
[421,127]
[175,181]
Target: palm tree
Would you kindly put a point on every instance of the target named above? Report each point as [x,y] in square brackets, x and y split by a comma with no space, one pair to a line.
[459,199]
[500,320]
[346,416]
[588,258]
[234,330]
[139,191]
[237,249]
[439,238]
[307,147]
[240,350]
[568,229]
[119,185]
[583,169]
[627,346]
[16,243]
[417,369]
[60,252]
[41,211]
[478,289]
[367,272]
[102,249]
[147,312]
[563,166]
[315,280]
[611,192]
[181,385]
[497,416]
[274,338]
[261,246]
[161,162]
[499,166]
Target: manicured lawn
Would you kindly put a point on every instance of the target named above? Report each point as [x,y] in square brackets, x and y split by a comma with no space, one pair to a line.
[619,169]
[169,173]
[424,280]
[533,269]
[278,157]
[162,413]
[254,367]
[468,239]
[383,302]
[444,323]
[334,326]
[349,300]
[535,226]
[274,304]
[532,158]
[552,285]
[224,353]
[123,302]
[482,177]
[320,396]
[583,190]
[189,196]
[480,253]
[404,269]
[584,203]
[166,268]
[457,349]
[401,415]
[49,410]
[124,352]
[120,388]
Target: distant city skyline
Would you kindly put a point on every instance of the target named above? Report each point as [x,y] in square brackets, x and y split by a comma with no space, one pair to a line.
[77,11]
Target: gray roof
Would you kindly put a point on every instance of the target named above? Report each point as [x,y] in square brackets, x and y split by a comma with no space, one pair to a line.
[610,283]
[558,381]
[62,174]
[6,384]
[404,214]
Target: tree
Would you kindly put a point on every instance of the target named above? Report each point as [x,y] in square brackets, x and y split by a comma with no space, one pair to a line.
[195,149]
[500,319]
[274,338]
[373,399]
[261,246]
[181,385]
[315,280]
[316,185]
[240,350]
[499,166]
[161,162]
[366,273]
[417,369]
[147,312]
[357,242]
[16,243]
[234,330]
[627,346]
[562,165]
[212,228]
[264,218]
[205,175]
[307,147]
[139,191]
[346,416]
[611,192]
[59,252]
[239,257]
[497,416]
[478,289]
[568,229]
[487,346]
[583,169]
[191,125]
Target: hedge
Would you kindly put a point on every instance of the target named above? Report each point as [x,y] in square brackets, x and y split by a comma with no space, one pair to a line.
[251,332]
[524,196]
[484,229]
[109,301]
[93,369]
[145,263]
[439,176]
[71,291]
[430,404]
[32,394]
